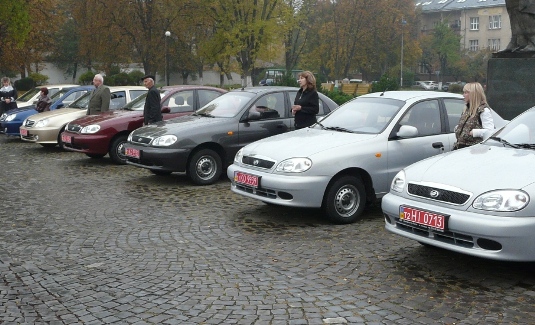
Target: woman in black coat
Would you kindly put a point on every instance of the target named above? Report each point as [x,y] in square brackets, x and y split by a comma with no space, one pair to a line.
[306,103]
[8,95]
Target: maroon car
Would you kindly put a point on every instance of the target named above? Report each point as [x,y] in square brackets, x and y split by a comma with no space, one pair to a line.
[106,133]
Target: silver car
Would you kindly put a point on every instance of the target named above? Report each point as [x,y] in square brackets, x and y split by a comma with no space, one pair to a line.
[350,157]
[475,201]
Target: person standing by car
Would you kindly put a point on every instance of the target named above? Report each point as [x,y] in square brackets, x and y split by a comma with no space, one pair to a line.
[152,112]
[43,101]
[306,103]
[100,97]
[8,95]
[476,123]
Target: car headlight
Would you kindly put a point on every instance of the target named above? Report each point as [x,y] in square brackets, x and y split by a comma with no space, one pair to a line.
[502,200]
[129,139]
[164,141]
[94,128]
[10,117]
[42,123]
[239,156]
[294,165]
[398,183]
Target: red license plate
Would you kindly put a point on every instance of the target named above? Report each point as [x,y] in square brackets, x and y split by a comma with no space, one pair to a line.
[131,152]
[426,219]
[246,179]
[23,132]
[66,138]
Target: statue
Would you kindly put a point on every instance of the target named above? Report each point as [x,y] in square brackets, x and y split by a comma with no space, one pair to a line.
[522,17]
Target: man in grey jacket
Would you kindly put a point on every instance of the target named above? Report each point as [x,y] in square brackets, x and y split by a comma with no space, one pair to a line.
[99,100]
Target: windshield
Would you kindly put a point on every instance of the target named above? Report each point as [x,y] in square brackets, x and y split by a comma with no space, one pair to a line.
[362,115]
[519,133]
[226,105]
[81,102]
[28,95]
[137,104]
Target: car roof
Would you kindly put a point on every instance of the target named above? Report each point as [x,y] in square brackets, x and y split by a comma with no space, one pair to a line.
[190,86]
[116,88]
[260,90]
[58,86]
[411,95]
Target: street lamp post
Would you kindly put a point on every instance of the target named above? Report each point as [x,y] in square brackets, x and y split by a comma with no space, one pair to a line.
[403,22]
[167,34]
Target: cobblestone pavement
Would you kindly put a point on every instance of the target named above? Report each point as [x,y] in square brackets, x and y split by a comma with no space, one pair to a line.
[83,241]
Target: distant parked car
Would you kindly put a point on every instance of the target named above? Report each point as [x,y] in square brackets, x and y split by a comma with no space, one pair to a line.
[45,128]
[98,135]
[11,121]
[204,143]
[349,158]
[478,201]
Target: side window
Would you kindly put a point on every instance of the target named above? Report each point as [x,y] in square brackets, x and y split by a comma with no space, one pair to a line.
[180,102]
[424,116]
[73,96]
[270,106]
[136,93]
[322,108]
[454,109]
[118,99]
[321,111]
[206,96]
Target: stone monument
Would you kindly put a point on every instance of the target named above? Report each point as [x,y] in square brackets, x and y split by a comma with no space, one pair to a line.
[511,72]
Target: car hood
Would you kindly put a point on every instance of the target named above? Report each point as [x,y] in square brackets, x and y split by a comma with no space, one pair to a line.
[180,124]
[57,112]
[106,116]
[303,143]
[477,168]
[21,110]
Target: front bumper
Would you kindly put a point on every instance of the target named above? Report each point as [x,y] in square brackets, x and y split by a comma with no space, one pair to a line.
[482,235]
[41,135]
[87,143]
[288,190]
[11,127]
[162,159]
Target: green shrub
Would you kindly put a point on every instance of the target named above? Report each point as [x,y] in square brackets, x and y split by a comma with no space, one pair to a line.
[455,88]
[24,84]
[337,96]
[120,79]
[86,78]
[385,83]
[135,77]
[39,79]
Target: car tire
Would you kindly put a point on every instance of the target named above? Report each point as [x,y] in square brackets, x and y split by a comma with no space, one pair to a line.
[160,172]
[60,143]
[205,167]
[117,149]
[345,200]
[48,145]
[94,155]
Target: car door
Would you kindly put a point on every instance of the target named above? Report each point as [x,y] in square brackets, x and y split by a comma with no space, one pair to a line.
[323,108]
[178,104]
[432,139]
[267,116]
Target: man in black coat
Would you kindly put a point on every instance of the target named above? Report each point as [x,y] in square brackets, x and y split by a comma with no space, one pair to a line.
[152,112]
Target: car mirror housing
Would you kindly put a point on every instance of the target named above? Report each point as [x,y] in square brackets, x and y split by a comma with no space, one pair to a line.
[407,131]
[166,109]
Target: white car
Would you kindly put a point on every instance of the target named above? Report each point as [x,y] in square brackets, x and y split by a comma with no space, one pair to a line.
[349,158]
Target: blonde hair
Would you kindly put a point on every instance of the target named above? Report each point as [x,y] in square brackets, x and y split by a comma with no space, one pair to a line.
[476,96]
[311,80]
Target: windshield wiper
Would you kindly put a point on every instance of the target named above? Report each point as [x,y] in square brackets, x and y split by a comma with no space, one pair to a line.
[337,128]
[321,125]
[526,145]
[504,142]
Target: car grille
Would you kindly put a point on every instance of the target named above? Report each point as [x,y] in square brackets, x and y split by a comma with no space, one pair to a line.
[257,191]
[29,123]
[142,140]
[448,237]
[256,162]
[74,127]
[442,195]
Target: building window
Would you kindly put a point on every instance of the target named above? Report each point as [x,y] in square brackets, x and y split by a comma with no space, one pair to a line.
[474,45]
[474,23]
[495,22]
[494,44]
[422,68]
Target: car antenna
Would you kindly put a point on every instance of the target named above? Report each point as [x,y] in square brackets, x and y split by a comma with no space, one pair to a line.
[382,94]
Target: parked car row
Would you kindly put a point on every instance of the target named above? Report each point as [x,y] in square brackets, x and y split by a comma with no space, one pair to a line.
[395,146]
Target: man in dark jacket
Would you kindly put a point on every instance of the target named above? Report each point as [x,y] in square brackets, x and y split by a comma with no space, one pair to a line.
[152,112]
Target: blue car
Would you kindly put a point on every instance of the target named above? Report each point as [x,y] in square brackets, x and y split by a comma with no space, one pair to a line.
[11,121]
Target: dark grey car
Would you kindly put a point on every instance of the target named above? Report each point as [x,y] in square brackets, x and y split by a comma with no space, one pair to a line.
[205,143]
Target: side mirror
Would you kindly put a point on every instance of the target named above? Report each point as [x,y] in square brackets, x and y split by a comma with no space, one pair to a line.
[407,131]
[166,110]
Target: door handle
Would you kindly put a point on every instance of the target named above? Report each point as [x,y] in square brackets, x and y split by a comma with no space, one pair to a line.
[438,145]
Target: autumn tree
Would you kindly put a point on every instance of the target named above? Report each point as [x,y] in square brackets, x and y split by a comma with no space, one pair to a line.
[442,47]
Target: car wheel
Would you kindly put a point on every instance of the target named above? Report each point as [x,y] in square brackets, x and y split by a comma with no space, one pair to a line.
[117,150]
[60,143]
[205,167]
[48,145]
[160,172]
[345,200]
[94,155]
